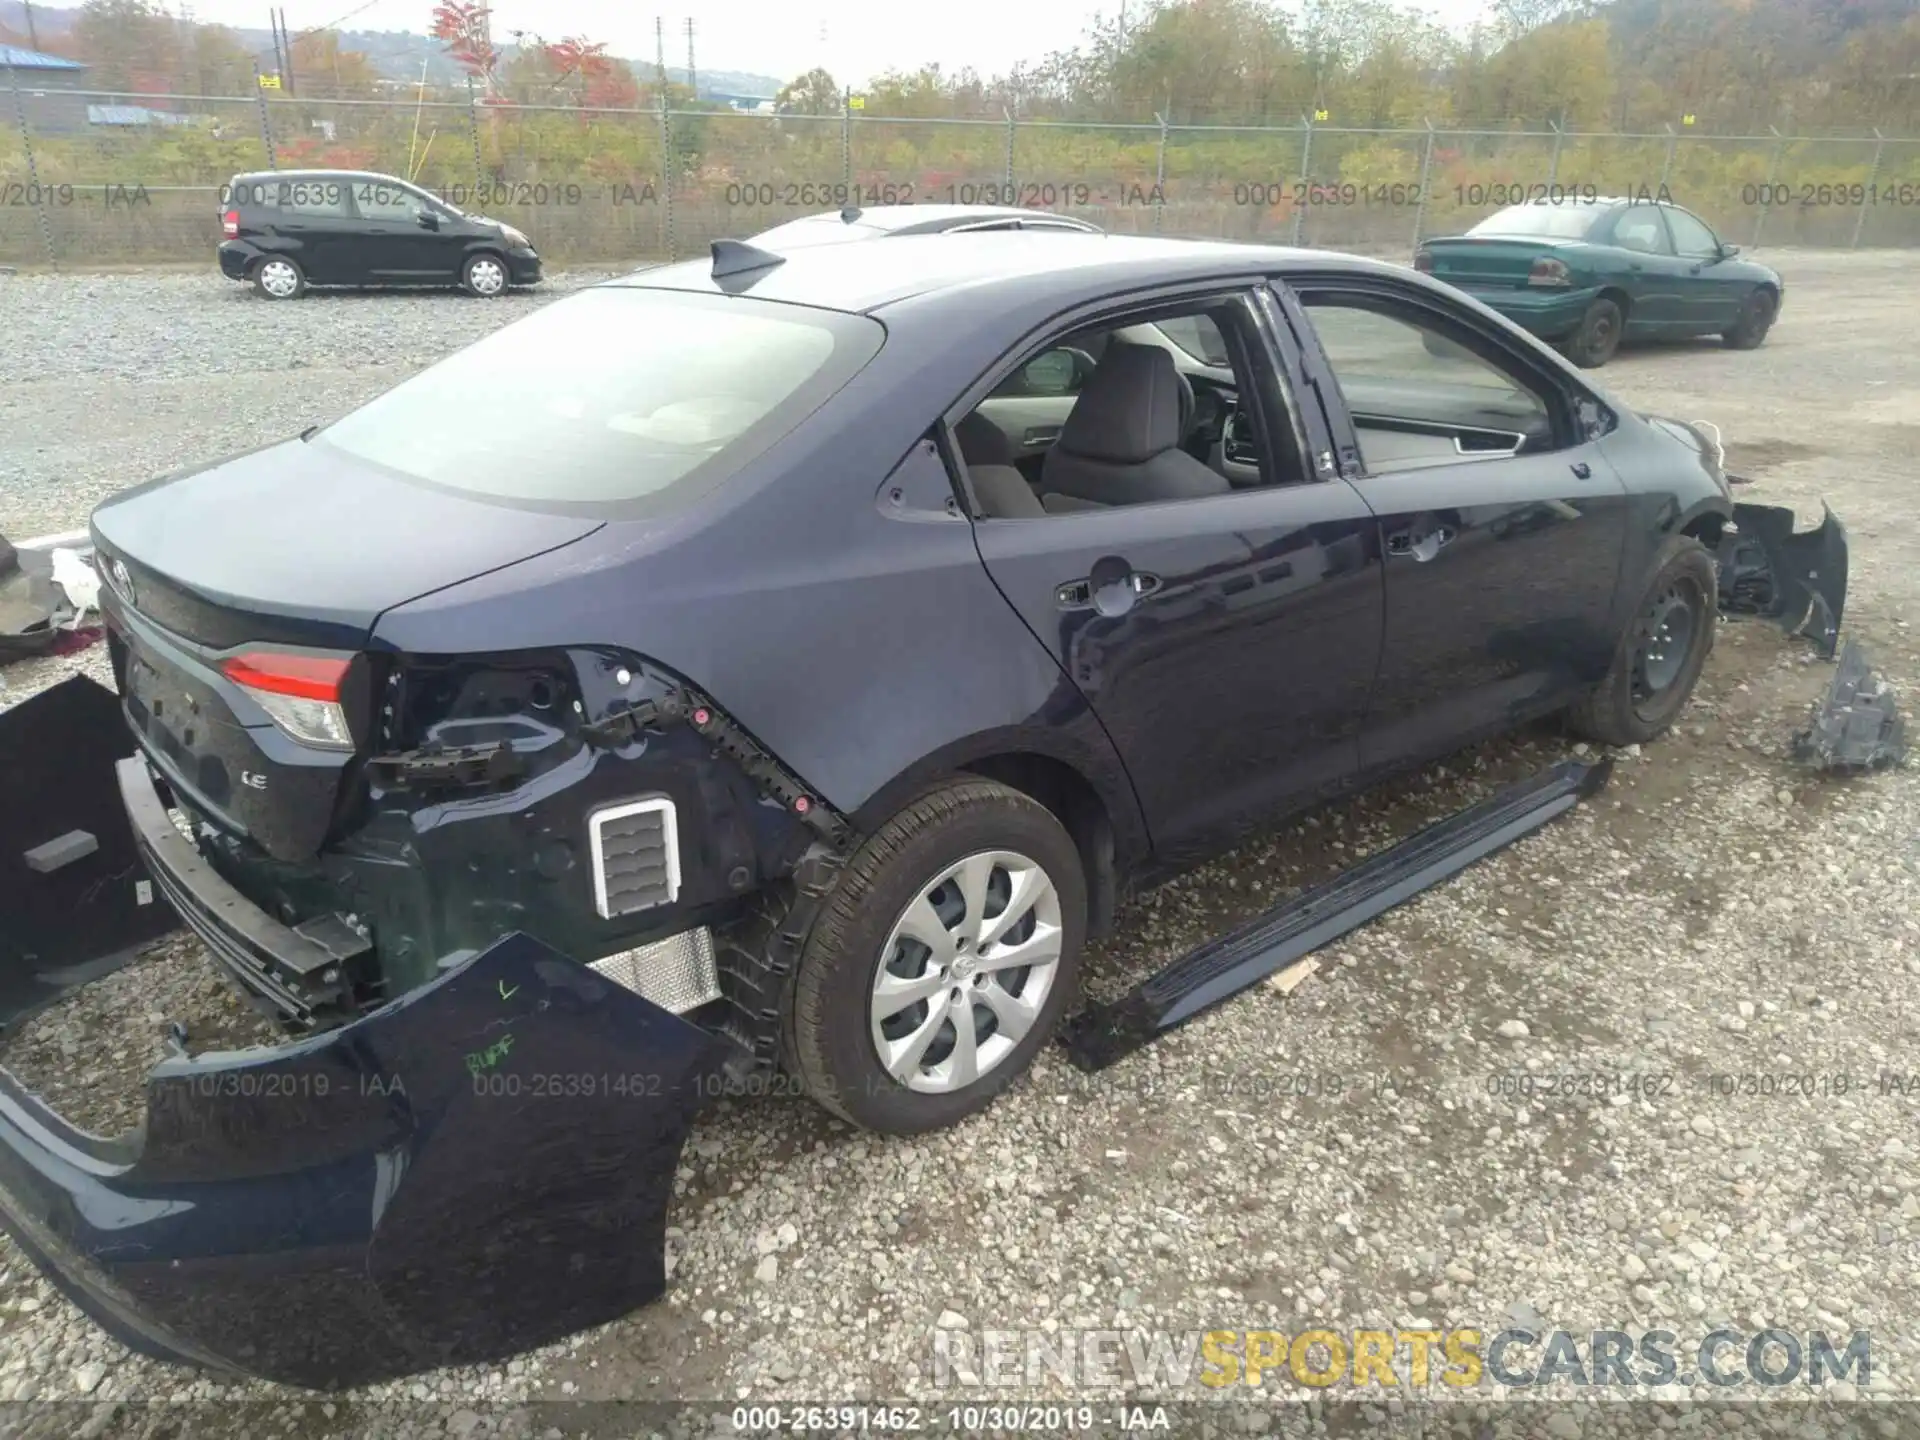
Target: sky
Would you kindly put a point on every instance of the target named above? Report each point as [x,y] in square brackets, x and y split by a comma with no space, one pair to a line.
[853,39]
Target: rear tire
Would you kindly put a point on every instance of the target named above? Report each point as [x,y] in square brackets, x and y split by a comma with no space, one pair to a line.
[1593,344]
[277,277]
[1662,654]
[951,866]
[484,275]
[1757,314]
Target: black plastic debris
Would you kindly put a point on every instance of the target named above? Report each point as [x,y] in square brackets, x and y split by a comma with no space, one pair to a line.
[1857,726]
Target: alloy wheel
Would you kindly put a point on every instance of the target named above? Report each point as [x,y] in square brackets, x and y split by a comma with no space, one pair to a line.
[965,971]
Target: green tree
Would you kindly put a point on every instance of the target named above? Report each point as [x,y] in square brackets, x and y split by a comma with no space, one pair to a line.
[814,93]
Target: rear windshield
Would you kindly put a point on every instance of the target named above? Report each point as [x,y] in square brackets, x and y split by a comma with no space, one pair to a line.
[1555,222]
[614,394]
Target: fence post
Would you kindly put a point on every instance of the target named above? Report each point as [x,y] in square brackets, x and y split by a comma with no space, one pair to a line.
[1553,163]
[33,170]
[1866,198]
[1420,198]
[1766,195]
[846,138]
[1666,166]
[1010,124]
[266,125]
[473,130]
[1306,180]
[666,173]
[1160,177]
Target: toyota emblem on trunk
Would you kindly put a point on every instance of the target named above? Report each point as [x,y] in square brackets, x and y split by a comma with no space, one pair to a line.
[122,581]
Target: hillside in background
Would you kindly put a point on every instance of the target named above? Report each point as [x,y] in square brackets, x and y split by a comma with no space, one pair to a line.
[393,54]
[1730,67]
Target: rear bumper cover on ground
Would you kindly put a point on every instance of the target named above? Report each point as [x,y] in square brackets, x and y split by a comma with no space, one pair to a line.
[481,1166]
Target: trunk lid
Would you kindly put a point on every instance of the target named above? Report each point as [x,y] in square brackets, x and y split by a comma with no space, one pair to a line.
[1475,263]
[292,551]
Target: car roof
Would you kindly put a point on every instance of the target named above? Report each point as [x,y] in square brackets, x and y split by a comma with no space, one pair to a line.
[912,219]
[880,221]
[865,278]
[333,174]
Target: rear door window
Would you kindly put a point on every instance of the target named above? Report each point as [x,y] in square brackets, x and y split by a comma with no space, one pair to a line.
[617,394]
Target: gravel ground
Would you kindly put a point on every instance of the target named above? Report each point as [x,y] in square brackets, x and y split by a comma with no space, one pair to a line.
[1344,1155]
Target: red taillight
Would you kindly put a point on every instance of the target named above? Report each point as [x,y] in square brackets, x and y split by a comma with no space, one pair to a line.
[1548,271]
[307,677]
[230,222]
[299,693]
[1423,260]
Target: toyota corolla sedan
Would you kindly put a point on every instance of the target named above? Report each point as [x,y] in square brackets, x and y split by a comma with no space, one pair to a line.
[778,664]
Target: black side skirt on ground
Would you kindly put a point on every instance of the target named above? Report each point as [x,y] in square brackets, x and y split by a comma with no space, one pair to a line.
[1231,963]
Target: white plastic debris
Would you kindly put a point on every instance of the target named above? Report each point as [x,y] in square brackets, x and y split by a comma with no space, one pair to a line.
[75,575]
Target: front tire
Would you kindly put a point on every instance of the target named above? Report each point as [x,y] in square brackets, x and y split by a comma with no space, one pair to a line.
[277,277]
[1662,654]
[484,275]
[1757,314]
[1599,335]
[941,963]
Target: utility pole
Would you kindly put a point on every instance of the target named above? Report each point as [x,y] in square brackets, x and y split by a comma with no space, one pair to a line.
[693,77]
[33,35]
[660,54]
[273,29]
[286,38]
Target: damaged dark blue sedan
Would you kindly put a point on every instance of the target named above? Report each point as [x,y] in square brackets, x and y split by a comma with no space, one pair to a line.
[782,664]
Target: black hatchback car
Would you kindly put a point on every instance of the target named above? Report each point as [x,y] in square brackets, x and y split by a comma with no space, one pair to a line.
[288,229]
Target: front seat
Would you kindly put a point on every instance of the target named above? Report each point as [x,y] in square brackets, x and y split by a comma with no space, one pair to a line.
[1121,442]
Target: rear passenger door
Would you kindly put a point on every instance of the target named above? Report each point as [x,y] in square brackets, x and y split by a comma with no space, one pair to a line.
[1226,640]
[315,219]
[1502,524]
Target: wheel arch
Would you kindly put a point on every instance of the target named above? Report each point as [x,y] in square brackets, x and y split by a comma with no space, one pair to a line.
[1098,810]
[1614,291]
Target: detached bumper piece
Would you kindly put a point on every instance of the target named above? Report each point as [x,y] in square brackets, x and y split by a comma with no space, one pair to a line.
[76,902]
[481,1167]
[1797,581]
[1857,725]
[1223,967]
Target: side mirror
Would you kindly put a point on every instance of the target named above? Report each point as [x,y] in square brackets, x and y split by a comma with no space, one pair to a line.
[427,219]
[1060,371]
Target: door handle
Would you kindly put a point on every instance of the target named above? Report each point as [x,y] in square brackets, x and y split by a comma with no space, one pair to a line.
[1111,589]
[1423,546]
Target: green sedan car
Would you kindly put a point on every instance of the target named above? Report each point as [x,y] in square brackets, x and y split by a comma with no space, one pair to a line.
[1586,274]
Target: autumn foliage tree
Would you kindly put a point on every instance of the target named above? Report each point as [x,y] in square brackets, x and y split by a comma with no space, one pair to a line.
[462,26]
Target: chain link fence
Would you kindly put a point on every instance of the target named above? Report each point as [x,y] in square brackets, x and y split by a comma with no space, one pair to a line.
[96,178]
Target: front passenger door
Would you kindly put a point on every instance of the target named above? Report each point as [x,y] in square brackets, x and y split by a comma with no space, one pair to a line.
[397,243]
[1503,526]
[1655,276]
